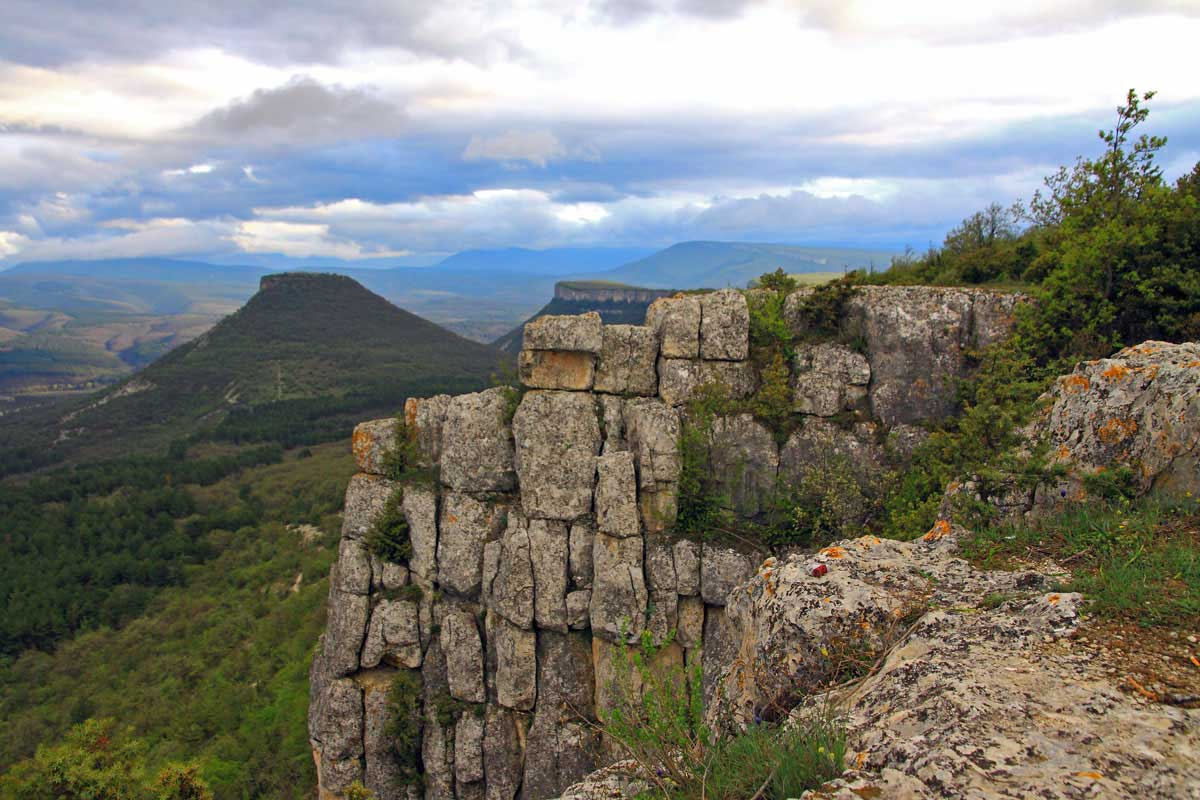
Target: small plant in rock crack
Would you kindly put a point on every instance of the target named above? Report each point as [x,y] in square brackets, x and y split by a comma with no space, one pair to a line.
[389,535]
[404,723]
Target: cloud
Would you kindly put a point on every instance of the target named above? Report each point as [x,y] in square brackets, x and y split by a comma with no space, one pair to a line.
[305,110]
[158,237]
[533,147]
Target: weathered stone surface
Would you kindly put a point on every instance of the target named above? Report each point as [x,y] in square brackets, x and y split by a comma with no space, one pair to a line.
[579,604]
[437,757]
[371,442]
[627,362]
[616,495]
[548,552]
[565,675]
[382,776]
[721,569]
[622,779]
[516,663]
[338,732]
[973,699]
[556,369]
[477,446]
[618,587]
[503,752]
[687,567]
[612,423]
[691,622]
[676,322]
[744,461]
[512,590]
[724,326]
[352,570]
[393,635]
[652,433]
[916,338]
[720,648]
[579,556]
[464,656]
[344,631]
[829,378]
[468,748]
[824,453]
[467,524]
[366,495]
[578,332]
[1139,409]
[421,510]
[387,575]
[678,378]
[560,752]
[662,613]
[425,417]
[558,439]
[993,314]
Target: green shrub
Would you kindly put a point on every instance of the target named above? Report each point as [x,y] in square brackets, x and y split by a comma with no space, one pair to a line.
[389,535]
[823,309]
[404,724]
[825,503]
[784,762]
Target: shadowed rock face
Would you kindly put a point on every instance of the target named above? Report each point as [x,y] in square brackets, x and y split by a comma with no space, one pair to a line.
[546,531]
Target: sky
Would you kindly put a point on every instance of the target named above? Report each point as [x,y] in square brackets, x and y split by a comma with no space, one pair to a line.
[405,131]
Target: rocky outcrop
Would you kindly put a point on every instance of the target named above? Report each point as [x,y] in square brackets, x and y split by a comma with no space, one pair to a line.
[542,532]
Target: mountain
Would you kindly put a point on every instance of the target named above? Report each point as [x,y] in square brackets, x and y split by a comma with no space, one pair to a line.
[690,265]
[558,261]
[304,354]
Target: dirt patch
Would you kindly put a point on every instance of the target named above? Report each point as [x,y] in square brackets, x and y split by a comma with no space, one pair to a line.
[1158,664]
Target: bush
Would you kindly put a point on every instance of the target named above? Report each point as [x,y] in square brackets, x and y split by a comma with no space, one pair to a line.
[389,535]
[404,724]
[824,504]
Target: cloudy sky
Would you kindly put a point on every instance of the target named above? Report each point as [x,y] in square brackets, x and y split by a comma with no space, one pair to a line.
[407,130]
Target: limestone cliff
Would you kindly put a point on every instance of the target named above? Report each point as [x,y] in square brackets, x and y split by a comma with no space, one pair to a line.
[547,530]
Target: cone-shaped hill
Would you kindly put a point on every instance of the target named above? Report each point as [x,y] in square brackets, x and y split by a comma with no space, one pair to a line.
[307,353]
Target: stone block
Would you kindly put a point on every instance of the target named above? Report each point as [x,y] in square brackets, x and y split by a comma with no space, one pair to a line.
[556,369]
[578,332]
[628,361]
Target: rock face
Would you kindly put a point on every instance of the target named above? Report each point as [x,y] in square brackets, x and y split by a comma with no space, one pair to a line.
[543,530]
[1139,409]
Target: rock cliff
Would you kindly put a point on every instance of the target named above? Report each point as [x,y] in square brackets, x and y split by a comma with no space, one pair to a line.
[542,529]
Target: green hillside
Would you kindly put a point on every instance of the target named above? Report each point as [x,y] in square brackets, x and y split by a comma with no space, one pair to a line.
[307,355]
[715,265]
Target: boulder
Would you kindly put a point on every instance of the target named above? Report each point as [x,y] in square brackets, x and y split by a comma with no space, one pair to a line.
[579,333]
[724,326]
[464,656]
[612,424]
[556,369]
[512,589]
[425,418]
[828,378]
[679,378]
[366,495]
[387,576]
[468,748]
[477,445]
[345,629]
[616,495]
[548,553]
[618,587]
[663,610]
[393,635]
[420,506]
[676,323]
[627,362]
[558,439]
[690,628]
[579,604]
[503,752]
[1139,409]
[371,443]
[516,663]
[687,567]
[338,732]
[382,775]
[352,571]
[467,524]
[560,752]
[437,757]
[744,462]
[652,432]
[722,569]
[579,554]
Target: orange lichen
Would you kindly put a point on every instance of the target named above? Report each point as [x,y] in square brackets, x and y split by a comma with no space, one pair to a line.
[1096,776]
[1192,364]
[940,528]
[1116,372]
[410,411]
[1063,451]
[360,442]
[1054,599]
[833,552]
[1074,384]
[1117,429]
[1142,690]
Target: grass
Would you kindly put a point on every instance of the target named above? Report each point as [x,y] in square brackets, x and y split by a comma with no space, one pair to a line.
[1137,561]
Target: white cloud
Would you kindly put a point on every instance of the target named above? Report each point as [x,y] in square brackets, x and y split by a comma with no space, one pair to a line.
[534,147]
